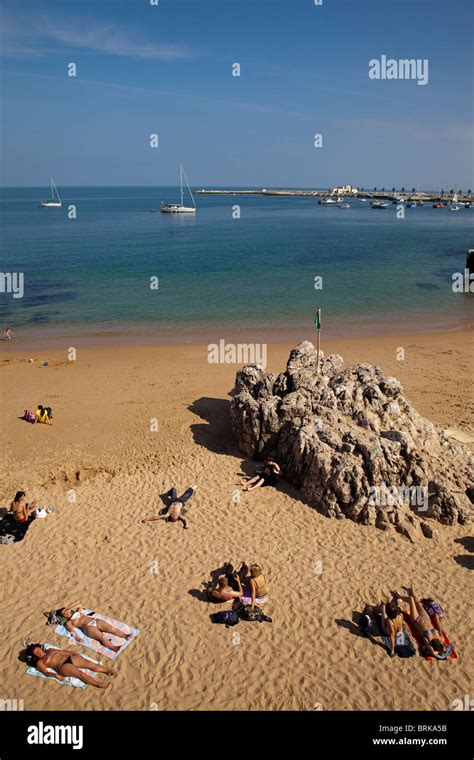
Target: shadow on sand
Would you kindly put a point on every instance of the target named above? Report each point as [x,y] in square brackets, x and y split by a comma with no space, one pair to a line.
[215,433]
[353,627]
[465,560]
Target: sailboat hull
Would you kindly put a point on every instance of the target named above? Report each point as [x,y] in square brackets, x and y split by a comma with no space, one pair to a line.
[170,209]
[50,204]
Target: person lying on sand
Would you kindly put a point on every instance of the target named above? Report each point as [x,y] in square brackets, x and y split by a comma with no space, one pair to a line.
[65,664]
[266,477]
[391,620]
[95,628]
[174,511]
[223,591]
[20,510]
[433,642]
[433,608]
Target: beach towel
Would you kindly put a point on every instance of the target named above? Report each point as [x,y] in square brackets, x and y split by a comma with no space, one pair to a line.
[96,646]
[403,644]
[247,598]
[11,531]
[420,642]
[71,680]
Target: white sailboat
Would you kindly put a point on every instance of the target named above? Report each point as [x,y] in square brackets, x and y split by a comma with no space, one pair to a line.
[55,201]
[175,208]
[454,207]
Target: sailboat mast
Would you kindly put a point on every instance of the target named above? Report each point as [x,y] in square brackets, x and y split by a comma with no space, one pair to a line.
[181,180]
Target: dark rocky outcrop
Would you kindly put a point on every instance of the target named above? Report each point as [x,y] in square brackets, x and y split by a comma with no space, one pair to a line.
[353,444]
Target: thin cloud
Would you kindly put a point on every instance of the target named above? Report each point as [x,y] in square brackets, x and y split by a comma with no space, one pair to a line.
[33,35]
[175,94]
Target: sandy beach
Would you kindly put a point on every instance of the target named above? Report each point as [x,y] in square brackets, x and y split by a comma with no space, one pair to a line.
[96,550]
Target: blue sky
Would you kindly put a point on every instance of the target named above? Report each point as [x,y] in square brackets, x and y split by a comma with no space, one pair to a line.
[166,69]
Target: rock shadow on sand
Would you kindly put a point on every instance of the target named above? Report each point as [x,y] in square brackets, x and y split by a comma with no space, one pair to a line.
[215,433]
[465,560]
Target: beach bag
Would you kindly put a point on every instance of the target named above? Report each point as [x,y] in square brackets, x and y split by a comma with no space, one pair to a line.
[29,416]
[227,618]
[253,615]
[404,645]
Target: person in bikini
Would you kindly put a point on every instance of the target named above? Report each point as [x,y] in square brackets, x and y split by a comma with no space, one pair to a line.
[173,512]
[95,628]
[258,584]
[266,477]
[433,641]
[65,664]
[20,510]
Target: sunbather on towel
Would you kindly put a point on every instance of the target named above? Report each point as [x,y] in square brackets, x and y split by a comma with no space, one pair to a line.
[433,640]
[175,506]
[94,628]
[65,664]
[435,611]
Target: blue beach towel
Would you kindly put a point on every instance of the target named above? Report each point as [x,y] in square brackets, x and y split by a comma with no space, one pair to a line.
[96,646]
[71,681]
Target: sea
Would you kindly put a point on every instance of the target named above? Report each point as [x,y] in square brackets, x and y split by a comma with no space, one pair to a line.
[109,265]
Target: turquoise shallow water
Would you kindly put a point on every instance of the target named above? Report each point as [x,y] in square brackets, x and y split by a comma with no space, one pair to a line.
[223,276]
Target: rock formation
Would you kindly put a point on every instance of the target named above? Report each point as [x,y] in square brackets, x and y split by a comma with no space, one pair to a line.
[353,444]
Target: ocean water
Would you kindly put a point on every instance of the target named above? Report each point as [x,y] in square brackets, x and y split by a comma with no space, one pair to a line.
[219,276]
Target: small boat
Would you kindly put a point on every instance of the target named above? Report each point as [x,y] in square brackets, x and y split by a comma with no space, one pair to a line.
[412,204]
[344,205]
[175,208]
[438,205]
[326,201]
[379,204]
[55,201]
[453,206]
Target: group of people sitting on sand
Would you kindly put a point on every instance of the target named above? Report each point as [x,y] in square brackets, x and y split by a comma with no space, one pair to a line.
[236,584]
[423,617]
[43,414]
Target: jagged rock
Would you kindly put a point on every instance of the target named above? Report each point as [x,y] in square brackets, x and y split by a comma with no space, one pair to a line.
[353,445]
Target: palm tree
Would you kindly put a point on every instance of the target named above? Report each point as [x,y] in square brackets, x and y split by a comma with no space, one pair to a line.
[413,189]
[375,189]
[403,189]
[393,189]
[469,191]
